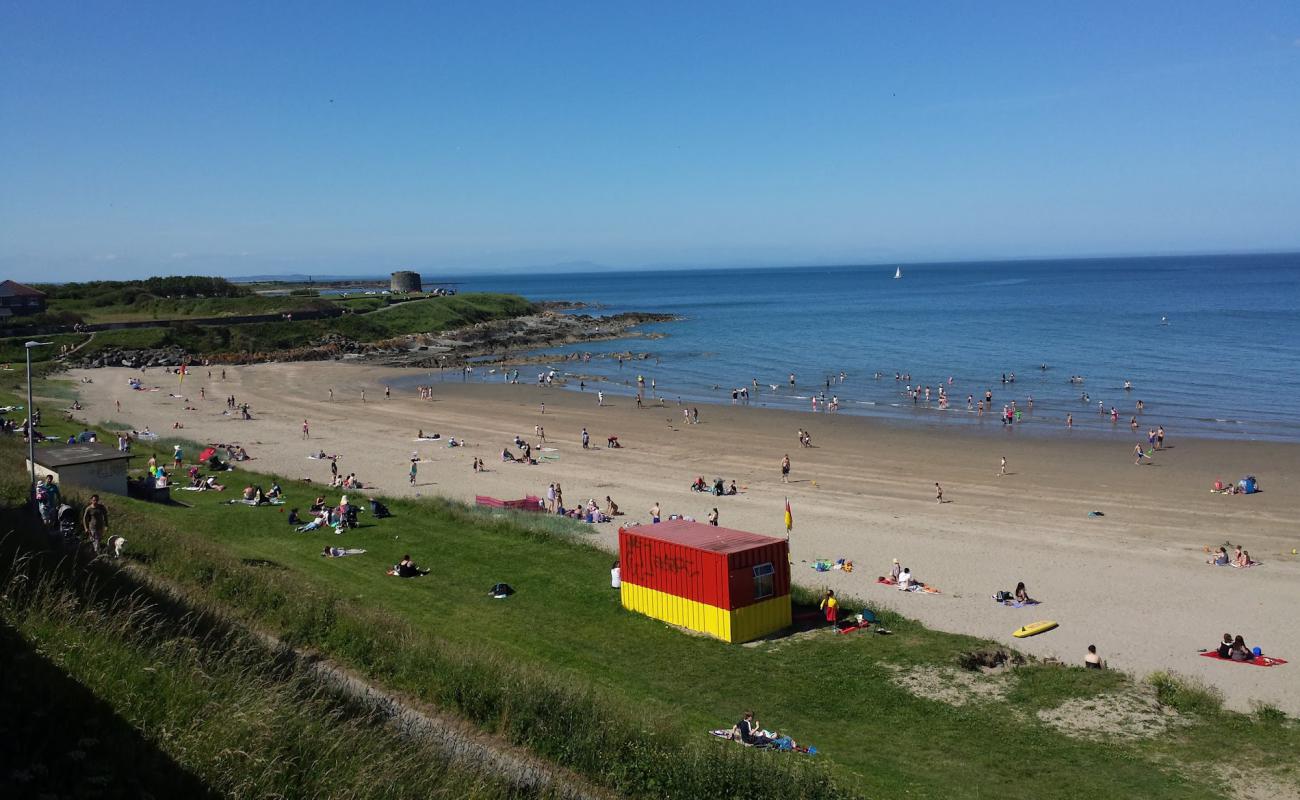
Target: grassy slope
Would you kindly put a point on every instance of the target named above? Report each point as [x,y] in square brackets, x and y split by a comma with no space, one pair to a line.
[833,692]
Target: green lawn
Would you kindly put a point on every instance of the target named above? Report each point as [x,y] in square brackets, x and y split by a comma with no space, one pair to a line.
[564,636]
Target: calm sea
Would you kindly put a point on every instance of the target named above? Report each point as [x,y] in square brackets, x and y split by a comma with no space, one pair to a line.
[1210,344]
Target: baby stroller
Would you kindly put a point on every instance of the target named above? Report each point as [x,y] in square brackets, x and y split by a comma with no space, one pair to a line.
[67,531]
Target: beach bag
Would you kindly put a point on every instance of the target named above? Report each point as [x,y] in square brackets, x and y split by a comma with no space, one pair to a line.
[1003,597]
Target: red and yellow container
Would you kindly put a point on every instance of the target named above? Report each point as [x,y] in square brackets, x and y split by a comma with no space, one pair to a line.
[730,584]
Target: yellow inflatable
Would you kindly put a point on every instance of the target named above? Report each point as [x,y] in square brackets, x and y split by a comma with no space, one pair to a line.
[1035,628]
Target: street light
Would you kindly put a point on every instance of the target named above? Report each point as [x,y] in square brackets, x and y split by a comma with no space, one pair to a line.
[31,420]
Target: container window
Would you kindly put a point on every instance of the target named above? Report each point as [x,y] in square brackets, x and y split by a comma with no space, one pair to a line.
[764,581]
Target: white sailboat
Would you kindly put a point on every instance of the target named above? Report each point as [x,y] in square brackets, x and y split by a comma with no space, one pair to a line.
[898,273]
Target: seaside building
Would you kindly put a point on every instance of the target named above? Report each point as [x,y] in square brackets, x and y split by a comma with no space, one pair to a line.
[405,281]
[89,466]
[17,299]
[727,583]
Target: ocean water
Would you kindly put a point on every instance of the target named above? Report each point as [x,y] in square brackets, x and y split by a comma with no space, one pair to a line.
[1211,344]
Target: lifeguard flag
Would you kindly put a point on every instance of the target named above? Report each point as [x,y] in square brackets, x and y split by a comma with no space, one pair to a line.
[181,381]
[789,518]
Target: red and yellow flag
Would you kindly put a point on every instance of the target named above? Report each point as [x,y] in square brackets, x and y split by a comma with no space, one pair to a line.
[789,518]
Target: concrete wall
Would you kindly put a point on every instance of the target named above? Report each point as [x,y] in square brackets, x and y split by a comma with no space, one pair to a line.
[105,477]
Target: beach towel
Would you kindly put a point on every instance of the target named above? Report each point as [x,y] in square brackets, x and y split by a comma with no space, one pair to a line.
[886,581]
[339,553]
[920,588]
[1248,566]
[1025,604]
[1257,661]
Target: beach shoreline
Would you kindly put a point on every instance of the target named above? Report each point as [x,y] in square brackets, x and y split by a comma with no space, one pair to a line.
[1133,581]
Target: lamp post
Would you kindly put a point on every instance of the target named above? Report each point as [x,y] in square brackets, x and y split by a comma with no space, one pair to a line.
[31,420]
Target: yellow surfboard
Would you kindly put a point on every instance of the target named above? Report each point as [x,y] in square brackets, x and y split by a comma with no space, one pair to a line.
[1035,628]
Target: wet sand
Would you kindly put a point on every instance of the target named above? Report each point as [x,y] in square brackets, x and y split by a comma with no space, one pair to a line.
[1134,581]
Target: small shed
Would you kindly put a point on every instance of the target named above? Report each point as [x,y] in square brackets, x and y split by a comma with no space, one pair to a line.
[90,466]
[731,584]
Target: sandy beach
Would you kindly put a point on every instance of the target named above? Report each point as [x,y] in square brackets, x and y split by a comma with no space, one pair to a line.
[1134,581]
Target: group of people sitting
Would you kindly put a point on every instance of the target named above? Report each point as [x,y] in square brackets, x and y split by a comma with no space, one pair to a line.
[253,495]
[340,517]
[1239,559]
[591,512]
[209,483]
[1233,648]
[903,578]
[717,487]
[525,456]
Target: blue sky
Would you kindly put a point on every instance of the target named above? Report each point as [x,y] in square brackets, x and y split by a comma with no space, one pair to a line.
[243,138]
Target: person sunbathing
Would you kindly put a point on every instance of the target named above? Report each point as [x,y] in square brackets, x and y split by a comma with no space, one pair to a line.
[406,568]
[1092,660]
[1220,559]
[1021,596]
[1239,651]
[732,488]
[747,731]
[249,493]
[321,519]
[211,483]
[1225,647]
[611,508]
[506,456]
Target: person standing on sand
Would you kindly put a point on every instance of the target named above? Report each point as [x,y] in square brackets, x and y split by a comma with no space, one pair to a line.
[938,492]
[586,439]
[654,513]
[414,468]
[1137,455]
[331,394]
[543,408]
[600,398]
[1160,437]
[785,469]
[306,430]
[713,518]
[388,393]
[363,395]
[1004,467]
[334,468]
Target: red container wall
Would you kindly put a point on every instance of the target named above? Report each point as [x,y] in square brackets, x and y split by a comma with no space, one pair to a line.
[740,570]
[699,575]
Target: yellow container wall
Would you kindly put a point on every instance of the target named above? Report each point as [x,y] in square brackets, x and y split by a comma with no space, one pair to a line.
[740,625]
[760,619]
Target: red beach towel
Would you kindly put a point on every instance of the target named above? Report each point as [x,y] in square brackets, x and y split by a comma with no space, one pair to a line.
[1258,661]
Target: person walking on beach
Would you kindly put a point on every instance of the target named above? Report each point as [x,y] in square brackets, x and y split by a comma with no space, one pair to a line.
[414,468]
[306,430]
[363,395]
[1069,420]
[1137,455]
[331,394]
[388,393]
[600,398]
[586,439]
[785,469]
[334,469]
[1160,437]
[1004,467]
[938,492]
[654,513]
[713,517]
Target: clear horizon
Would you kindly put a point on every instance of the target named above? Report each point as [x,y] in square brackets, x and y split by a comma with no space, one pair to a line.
[469,139]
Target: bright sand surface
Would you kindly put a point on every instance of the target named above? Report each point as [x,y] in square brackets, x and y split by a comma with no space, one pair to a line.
[1134,582]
